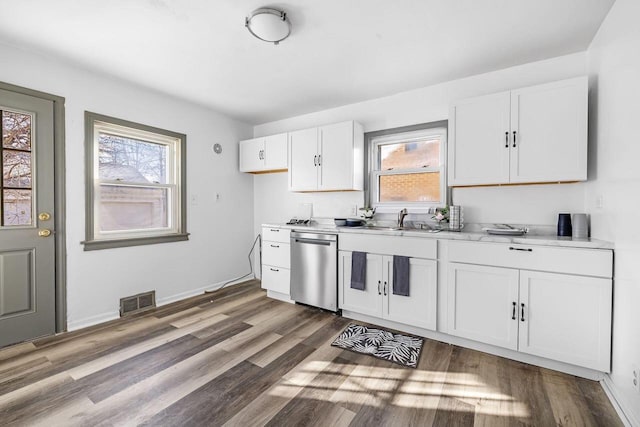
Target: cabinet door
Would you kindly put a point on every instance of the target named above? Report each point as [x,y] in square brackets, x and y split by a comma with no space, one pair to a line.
[479,146]
[336,156]
[420,307]
[566,318]
[303,160]
[368,301]
[275,152]
[481,302]
[251,155]
[550,125]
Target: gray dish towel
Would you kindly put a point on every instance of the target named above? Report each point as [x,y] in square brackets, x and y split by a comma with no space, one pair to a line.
[358,270]
[401,275]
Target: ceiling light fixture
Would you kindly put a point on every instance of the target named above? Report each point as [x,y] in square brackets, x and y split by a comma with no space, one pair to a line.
[269,25]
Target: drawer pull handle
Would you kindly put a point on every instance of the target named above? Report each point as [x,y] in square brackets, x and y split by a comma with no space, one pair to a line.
[385,288]
[506,139]
[514,139]
[274,269]
[511,248]
[522,312]
[275,246]
[379,291]
[513,313]
[275,230]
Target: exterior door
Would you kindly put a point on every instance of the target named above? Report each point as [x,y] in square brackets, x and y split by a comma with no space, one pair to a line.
[27,244]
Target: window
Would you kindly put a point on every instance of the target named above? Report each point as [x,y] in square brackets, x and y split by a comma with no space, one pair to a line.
[407,168]
[136,181]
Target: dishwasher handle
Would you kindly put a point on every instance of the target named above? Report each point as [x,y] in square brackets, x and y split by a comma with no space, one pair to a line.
[314,242]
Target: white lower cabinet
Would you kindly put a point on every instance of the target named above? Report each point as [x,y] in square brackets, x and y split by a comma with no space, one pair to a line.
[558,316]
[377,299]
[566,318]
[276,260]
[482,302]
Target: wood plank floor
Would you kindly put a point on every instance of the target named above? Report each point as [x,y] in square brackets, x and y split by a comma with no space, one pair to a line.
[237,358]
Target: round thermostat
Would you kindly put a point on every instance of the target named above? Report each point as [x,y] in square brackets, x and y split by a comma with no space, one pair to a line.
[217,148]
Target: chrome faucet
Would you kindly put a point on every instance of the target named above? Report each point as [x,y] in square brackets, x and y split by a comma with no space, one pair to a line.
[401,216]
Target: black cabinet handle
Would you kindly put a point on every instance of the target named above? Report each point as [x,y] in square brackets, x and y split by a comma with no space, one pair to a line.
[275,229]
[379,292]
[514,139]
[275,246]
[385,288]
[319,159]
[511,248]
[274,269]
[513,313]
[315,160]
[522,312]
[506,140]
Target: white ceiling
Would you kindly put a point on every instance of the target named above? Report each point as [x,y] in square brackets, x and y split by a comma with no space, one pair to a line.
[340,52]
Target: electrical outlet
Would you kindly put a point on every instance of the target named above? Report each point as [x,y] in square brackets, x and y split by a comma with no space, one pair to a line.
[600,201]
[636,378]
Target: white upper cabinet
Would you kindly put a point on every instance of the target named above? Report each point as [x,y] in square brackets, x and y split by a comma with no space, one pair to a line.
[327,158]
[535,134]
[479,147]
[264,154]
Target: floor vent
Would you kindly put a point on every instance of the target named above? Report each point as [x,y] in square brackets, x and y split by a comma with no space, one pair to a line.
[137,303]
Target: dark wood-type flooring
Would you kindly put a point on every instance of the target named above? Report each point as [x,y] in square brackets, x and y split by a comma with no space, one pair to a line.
[237,358]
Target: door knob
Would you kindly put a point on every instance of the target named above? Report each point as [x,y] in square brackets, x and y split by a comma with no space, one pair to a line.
[44,216]
[44,233]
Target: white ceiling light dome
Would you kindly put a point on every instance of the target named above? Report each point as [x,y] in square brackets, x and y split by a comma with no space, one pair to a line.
[269,25]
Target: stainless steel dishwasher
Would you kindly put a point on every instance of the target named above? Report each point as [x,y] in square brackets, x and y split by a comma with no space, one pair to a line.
[314,269]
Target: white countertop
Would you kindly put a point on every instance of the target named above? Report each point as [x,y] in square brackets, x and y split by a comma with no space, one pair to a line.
[542,240]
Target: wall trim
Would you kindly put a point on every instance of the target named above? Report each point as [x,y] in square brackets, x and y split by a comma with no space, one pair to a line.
[59,197]
[611,390]
[113,315]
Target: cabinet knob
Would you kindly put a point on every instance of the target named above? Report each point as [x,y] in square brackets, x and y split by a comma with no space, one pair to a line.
[44,233]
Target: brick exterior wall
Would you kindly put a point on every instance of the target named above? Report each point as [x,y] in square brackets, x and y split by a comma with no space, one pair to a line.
[417,187]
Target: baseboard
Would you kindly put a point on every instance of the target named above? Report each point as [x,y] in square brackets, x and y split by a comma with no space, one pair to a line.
[578,371]
[625,414]
[73,325]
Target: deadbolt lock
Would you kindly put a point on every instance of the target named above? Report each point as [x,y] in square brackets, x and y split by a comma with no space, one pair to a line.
[44,216]
[44,233]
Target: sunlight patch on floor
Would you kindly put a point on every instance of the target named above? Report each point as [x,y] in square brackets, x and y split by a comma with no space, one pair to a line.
[376,386]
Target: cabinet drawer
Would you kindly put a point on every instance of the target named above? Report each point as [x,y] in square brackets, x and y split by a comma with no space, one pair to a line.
[276,253]
[585,262]
[275,279]
[389,245]
[273,234]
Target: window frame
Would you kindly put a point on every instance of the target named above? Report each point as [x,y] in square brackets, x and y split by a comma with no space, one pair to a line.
[176,184]
[406,134]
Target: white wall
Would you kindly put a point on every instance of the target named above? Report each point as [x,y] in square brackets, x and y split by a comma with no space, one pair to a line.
[216,250]
[533,205]
[614,64]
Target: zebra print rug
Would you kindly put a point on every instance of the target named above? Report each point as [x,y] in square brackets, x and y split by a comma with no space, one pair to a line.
[401,349]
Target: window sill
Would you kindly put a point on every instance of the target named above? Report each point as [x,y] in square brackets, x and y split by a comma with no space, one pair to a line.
[94,245]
